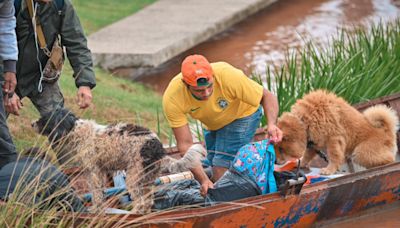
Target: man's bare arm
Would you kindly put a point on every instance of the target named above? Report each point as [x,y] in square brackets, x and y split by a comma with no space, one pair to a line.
[184,141]
[271,111]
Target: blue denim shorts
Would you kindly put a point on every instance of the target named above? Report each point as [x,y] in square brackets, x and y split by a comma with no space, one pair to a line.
[223,144]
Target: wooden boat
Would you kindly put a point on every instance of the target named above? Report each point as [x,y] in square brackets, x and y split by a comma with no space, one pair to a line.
[343,196]
[315,203]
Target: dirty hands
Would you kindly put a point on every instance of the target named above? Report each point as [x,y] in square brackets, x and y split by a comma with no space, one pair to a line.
[12,103]
[274,133]
[205,185]
[84,97]
[10,81]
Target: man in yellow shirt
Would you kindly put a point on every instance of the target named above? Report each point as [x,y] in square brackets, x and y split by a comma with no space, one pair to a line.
[226,102]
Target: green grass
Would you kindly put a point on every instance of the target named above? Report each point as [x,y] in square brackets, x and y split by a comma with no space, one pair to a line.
[95,14]
[114,100]
[358,65]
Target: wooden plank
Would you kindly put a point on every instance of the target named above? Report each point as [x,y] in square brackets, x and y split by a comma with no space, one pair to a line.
[363,105]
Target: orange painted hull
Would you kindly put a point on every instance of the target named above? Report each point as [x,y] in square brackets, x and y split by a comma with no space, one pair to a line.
[343,196]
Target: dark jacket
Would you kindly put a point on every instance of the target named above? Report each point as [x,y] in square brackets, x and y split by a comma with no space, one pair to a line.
[41,181]
[54,21]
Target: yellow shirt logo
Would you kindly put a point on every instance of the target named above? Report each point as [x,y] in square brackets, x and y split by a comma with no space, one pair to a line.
[222,102]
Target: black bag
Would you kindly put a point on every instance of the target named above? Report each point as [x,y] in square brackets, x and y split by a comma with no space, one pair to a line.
[232,186]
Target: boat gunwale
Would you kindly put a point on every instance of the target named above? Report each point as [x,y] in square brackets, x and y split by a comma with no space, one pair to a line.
[255,201]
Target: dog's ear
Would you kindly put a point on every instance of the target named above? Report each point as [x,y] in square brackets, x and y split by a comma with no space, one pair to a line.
[294,140]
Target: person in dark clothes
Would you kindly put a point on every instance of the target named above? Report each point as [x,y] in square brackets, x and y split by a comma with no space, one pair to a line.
[38,183]
[60,26]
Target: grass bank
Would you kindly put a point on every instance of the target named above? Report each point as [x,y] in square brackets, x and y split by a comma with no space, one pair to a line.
[96,14]
[114,100]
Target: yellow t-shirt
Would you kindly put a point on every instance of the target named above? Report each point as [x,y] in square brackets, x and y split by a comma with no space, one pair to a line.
[234,96]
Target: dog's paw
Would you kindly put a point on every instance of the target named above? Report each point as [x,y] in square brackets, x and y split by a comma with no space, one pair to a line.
[327,171]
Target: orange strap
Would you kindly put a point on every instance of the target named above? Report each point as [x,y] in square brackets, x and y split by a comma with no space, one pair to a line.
[39,30]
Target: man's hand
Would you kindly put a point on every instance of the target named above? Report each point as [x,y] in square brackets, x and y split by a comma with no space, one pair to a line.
[12,103]
[274,133]
[205,186]
[10,81]
[84,97]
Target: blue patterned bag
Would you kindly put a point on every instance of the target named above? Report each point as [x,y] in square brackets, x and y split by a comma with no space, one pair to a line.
[257,160]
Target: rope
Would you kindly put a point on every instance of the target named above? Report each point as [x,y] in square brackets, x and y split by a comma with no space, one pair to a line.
[40,87]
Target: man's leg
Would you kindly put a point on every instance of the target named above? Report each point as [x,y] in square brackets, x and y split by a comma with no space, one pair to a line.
[49,99]
[230,139]
[218,172]
[209,138]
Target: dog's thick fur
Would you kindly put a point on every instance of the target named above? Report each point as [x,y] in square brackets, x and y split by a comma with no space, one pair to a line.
[323,121]
[102,150]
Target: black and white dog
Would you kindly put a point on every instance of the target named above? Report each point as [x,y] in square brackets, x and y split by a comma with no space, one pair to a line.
[101,150]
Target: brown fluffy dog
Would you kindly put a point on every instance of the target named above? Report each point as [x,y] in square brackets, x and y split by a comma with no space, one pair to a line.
[101,150]
[323,121]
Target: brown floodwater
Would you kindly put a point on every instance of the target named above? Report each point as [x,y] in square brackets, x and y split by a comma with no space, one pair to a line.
[264,38]
[380,217]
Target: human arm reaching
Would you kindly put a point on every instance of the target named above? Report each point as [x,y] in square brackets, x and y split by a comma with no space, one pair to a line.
[184,141]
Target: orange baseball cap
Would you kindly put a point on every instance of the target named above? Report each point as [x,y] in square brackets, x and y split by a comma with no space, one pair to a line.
[196,67]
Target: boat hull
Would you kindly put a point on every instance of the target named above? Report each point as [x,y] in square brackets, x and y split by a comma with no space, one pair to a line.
[344,196]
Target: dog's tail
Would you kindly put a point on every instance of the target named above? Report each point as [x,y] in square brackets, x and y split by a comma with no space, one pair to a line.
[381,116]
[192,158]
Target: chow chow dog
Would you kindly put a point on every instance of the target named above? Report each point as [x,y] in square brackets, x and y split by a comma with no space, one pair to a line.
[102,150]
[323,121]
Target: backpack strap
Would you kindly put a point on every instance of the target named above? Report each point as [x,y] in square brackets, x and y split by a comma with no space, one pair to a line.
[38,27]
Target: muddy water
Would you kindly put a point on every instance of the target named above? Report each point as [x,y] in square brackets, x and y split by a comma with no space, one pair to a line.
[385,217]
[288,24]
